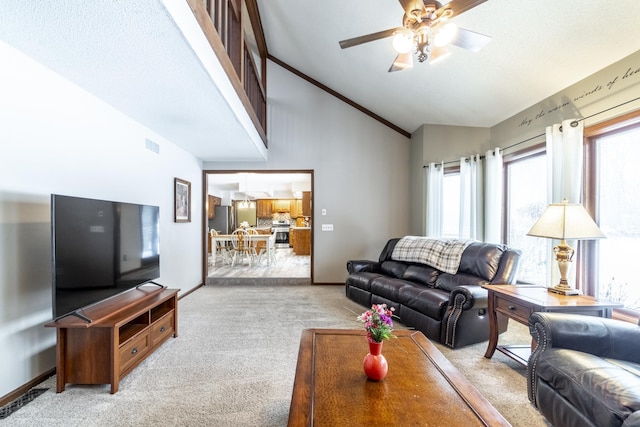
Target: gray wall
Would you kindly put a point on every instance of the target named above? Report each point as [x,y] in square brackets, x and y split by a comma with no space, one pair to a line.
[597,98]
[436,143]
[56,138]
[360,170]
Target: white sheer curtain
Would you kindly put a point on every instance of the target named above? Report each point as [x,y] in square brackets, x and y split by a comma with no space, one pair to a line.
[565,158]
[471,224]
[435,173]
[493,196]
[564,175]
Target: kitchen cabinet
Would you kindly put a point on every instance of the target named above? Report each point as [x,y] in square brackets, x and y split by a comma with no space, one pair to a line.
[296,208]
[292,237]
[281,205]
[212,202]
[301,238]
[264,208]
[306,203]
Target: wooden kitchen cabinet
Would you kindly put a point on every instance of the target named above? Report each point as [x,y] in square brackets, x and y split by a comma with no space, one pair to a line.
[281,205]
[296,208]
[212,202]
[301,238]
[306,203]
[292,237]
[264,208]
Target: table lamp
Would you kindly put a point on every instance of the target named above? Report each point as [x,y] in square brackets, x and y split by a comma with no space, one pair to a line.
[565,221]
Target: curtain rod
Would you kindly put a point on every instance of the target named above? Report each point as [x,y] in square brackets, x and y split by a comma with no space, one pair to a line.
[573,124]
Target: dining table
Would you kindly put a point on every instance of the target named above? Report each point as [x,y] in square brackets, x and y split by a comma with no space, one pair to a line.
[227,238]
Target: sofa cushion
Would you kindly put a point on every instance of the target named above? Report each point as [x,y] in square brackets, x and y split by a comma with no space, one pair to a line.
[388,287]
[448,282]
[393,268]
[605,391]
[481,259]
[361,280]
[425,300]
[422,274]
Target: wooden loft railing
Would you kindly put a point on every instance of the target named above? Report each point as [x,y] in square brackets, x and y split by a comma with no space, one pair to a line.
[222,23]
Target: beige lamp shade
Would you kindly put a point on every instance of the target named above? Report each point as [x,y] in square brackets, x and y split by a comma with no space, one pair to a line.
[566,221]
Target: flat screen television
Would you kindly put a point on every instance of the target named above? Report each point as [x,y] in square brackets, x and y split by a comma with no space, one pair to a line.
[100,249]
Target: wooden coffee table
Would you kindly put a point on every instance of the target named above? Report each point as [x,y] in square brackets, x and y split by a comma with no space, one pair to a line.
[421,388]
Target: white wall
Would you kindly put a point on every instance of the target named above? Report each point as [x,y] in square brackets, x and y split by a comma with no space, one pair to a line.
[360,170]
[56,138]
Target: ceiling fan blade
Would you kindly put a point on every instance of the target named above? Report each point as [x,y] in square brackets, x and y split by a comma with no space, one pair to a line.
[402,62]
[413,7]
[438,54]
[470,40]
[369,37]
[459,6]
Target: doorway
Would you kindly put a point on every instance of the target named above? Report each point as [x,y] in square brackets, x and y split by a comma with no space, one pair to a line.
[273,202]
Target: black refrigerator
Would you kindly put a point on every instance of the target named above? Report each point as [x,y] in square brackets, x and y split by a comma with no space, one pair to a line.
[224,221]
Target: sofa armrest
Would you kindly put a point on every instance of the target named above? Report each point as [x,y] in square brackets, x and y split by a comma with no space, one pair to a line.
[357,266]
[462,299]
[466,297]
[598,336]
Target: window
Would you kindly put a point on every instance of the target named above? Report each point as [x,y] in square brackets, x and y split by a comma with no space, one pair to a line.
[525,200]
[451,204]
[613,198]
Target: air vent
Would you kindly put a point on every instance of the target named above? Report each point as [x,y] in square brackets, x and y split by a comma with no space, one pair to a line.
[152,146]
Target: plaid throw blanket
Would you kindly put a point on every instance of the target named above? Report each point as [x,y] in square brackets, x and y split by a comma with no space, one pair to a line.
[442,254]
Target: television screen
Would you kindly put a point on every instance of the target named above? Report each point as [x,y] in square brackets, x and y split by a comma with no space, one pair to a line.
[100,249]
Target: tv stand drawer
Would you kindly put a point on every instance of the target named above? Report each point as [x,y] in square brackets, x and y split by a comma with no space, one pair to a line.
[162,329]
[134,350]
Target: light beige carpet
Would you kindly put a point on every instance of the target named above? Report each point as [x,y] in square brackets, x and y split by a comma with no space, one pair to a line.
[234,361]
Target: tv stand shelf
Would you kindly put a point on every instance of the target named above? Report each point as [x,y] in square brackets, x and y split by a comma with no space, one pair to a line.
[124,331]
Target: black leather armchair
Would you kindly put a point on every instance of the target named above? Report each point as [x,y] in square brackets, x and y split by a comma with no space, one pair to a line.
[585,371]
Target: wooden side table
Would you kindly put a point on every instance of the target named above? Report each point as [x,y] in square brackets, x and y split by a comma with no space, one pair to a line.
[518,302]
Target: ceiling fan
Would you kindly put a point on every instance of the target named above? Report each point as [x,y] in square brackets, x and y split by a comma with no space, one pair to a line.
[426,31]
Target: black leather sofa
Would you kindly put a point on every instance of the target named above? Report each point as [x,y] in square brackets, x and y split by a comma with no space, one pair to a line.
[585,371]
[448,308]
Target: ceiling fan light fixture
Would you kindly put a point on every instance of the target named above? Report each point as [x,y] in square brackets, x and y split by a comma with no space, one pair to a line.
[402,62]
[403,42]
[438,54]
[445,35]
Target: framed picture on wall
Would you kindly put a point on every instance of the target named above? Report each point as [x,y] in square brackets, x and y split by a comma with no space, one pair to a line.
[182,198]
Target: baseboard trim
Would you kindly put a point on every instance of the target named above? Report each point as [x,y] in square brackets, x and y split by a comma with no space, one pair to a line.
[258,281]
[190,291]
[8,398]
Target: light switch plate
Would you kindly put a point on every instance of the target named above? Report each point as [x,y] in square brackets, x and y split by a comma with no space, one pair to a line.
[327,227]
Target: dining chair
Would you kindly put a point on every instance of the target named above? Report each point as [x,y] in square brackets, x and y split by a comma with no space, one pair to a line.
[272,250]
[253,244]
[221,249]
[241,243]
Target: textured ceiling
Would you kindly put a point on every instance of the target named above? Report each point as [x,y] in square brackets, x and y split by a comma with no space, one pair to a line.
[537,49]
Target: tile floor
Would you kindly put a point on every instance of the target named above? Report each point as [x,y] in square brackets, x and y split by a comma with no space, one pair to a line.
[287,264]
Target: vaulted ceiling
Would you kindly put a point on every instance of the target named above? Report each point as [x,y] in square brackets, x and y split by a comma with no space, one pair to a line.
[147,59]
[537,49]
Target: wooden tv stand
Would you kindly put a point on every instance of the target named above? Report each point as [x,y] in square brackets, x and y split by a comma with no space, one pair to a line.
[123,332]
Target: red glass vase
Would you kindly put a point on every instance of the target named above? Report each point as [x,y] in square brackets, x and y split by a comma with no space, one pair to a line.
[375,365]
